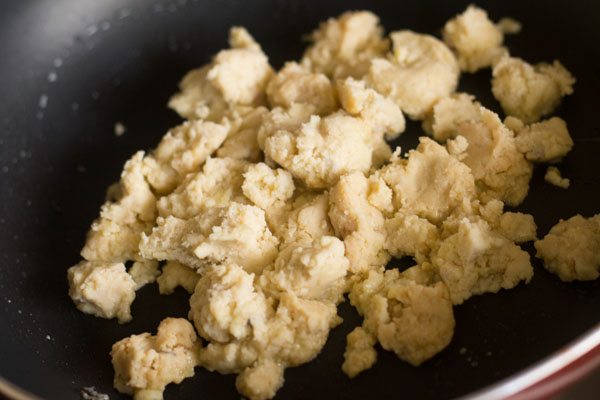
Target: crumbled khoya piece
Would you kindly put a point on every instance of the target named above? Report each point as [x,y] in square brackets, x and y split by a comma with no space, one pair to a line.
[380,113]
[360,353]
[571,249]
[359,223]
[457,147]
[485,144]
[267,187]
[409,235]
[344,46]
[216,185]
[145,364]
[554,177]
[430,183]
[175,274]
[475,259]
[225,305]
[283,119]
[500,170]
[379,194]
[518,227]
[295,84]
[420,71]
[276,337]
[144,272]
[235,77]
[476,40]
[102,289]
[238,233]
[530,92]
[241,142]
[314,270]
[449,113]
[412,318]
[307,220]
[383,116]
[323,149]
[545,141]
[114,237]
[183,150]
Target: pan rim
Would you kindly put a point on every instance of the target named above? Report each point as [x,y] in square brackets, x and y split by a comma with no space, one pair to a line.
[14,392]
[550,375]
[547,376]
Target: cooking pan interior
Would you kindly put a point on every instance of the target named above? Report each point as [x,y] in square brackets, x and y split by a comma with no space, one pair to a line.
[72,69]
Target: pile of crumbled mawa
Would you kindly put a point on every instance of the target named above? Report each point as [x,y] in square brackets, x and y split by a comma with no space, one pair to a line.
[279,194]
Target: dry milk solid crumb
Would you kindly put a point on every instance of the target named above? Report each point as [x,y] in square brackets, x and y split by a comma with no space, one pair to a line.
[119,129]
[554,177]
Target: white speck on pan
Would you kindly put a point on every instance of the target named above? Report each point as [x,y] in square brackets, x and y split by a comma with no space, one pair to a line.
[124,13]
[91,30]
[120,129]
[43,102]
[90,393]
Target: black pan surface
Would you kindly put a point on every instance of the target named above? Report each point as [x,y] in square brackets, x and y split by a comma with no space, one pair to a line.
[71,69]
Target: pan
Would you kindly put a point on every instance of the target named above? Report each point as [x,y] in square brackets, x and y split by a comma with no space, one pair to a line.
[71,70]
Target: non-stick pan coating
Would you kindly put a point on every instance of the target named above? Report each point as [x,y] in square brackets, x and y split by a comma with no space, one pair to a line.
[71,69]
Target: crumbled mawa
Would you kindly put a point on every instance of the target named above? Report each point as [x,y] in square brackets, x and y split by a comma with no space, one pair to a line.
[280,194]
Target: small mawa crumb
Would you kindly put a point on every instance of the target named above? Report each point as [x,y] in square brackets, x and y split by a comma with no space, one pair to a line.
[554,177]
[90,393]
[120,129]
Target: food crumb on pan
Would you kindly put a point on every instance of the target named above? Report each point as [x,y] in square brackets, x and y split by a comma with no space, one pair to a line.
[90,393]
[43,101]
[124,13]
[52,76]
[509,25]
[120,129]
[554,177]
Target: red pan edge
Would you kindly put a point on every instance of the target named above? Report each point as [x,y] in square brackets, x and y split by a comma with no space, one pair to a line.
[549,376]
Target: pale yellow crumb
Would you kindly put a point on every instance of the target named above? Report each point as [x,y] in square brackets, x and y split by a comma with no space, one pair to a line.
[554,177]
[120,129]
